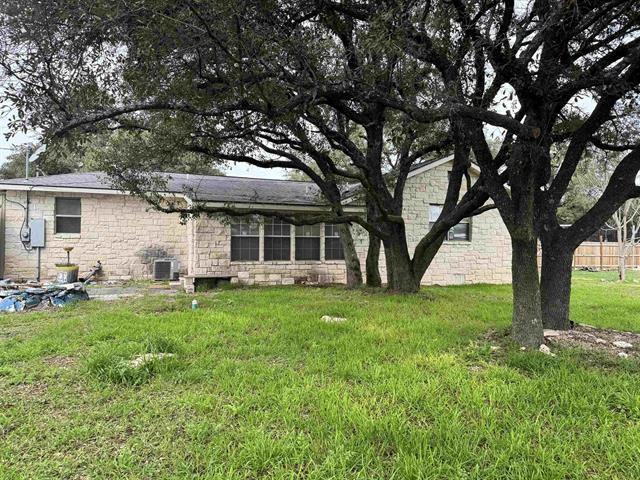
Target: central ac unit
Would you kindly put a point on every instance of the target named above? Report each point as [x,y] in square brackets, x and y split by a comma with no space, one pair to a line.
[166,269]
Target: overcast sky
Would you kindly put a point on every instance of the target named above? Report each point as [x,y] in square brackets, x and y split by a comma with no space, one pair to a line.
[5,144]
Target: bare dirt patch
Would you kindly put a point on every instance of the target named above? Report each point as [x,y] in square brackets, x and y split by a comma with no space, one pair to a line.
[30,390]
[60,361]
[613,342]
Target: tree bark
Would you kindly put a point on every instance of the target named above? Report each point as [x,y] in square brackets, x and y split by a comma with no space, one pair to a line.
[373,261]
[401,277]
[527,315]
[351,260]
[555,285]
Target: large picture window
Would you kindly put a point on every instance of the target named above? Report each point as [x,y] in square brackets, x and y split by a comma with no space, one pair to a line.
[308,242]
[277,240]
[245,241]
[332,244]
[68,215]
[459,232]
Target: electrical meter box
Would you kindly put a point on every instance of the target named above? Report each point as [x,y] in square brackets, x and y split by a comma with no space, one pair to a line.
[37,232]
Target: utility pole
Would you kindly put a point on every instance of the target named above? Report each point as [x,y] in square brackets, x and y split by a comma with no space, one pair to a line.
[26,164]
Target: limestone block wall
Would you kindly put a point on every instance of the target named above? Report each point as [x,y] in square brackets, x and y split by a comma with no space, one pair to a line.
[120,230]
[210,255]
[486,258]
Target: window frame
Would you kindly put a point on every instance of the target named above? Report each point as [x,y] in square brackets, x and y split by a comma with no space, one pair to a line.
[57,215]
[449,236]
[233,235]
[336,236]
[317,237]
[275,222]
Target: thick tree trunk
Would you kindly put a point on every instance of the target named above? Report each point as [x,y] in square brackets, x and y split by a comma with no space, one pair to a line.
[527,315]
[424,255]
[351,260]
[400,274]
[373,261]
[555,285]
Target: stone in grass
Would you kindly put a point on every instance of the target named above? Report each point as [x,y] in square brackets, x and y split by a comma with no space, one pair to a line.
[547,332]
[330,319]
[623,354]
[622,344]
[141,360]
[546,350]
[601,341]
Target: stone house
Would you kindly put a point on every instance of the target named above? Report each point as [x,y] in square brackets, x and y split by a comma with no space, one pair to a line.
[101,223]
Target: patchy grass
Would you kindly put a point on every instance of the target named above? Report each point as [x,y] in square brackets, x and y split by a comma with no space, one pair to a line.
[260,387]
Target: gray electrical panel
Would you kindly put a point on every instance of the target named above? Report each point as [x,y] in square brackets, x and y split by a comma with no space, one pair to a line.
[37,232]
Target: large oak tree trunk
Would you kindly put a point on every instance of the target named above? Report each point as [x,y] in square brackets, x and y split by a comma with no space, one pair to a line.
[555,285]
[373,262]
[527,315]
[351,260]
[400,273]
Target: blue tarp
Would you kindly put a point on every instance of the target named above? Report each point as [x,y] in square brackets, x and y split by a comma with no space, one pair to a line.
[16,300]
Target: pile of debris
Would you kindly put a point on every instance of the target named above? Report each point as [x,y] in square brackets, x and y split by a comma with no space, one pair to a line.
[16,297]
[614,342]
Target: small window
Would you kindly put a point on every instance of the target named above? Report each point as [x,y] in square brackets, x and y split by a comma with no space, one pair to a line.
[332,244]
[245,241]
[459,232]
[277,240]
[308,242]
[68,215]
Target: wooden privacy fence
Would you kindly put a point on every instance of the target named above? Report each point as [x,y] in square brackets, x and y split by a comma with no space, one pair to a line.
[603,256]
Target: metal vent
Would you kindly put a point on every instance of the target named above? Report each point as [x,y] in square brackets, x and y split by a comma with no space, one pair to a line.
[162,270]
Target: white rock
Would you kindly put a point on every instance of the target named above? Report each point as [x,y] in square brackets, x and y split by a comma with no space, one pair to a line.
[329,319]
[622,344]
[546,350]
[623,354]
[494,348]
[140,360]
[551,333]
[601,341]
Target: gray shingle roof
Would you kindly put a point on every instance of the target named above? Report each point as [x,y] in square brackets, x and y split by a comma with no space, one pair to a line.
[207,187]
[200,187]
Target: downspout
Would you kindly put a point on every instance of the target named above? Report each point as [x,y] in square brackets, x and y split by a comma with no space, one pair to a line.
[191,250]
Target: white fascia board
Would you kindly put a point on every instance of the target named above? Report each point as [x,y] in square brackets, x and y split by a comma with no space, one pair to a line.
[86,191]
[280,207]
[39,188]
[238,205]
[475,168]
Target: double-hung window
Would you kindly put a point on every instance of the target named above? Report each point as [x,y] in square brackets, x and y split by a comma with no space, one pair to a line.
[277,240]
[459,232]
[68,215]
[308,242]
[332,244]
[245,241]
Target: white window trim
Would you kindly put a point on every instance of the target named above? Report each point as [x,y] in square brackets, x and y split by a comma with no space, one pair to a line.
[467,220]
[56,216]
[260,245]
[292,257]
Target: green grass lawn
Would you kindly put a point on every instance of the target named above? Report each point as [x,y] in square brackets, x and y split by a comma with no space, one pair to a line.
[259,387]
